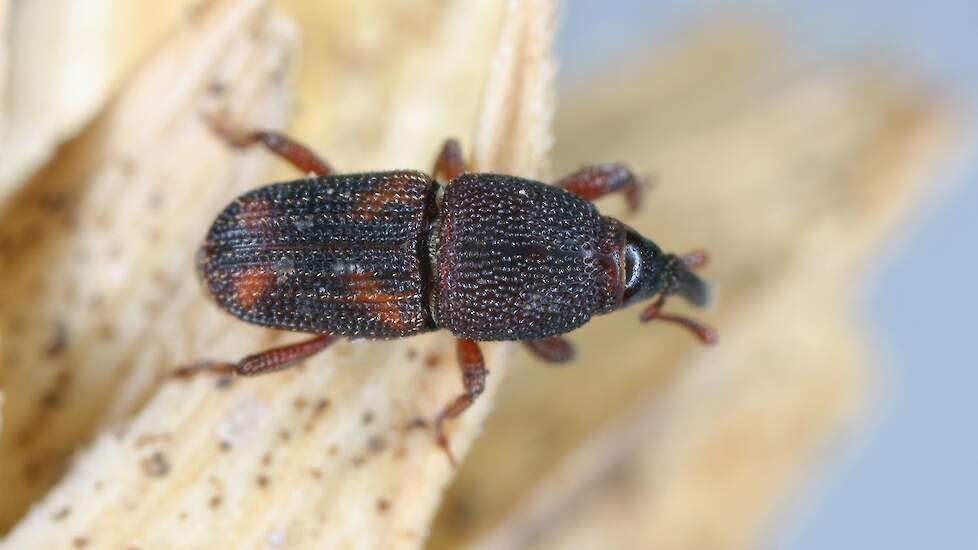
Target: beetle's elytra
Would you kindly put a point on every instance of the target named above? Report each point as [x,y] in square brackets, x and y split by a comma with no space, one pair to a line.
[336,254]
[392,254]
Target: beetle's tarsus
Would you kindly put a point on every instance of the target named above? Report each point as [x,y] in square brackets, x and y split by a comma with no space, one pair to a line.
[593,182]
[442,440]
[704,333]
[271,360]
[293,152]
[474,379]
[190,371]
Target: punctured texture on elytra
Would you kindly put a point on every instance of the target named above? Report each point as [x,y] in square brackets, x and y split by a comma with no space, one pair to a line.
[335,254]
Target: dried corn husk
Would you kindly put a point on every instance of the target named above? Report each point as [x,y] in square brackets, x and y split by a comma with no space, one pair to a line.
[329,454]
[67,58]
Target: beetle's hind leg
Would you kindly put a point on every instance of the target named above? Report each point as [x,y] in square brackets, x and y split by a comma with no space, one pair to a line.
[271,360]
[294,153]
[552,350]
[593,182]
[450,162]
[474,379]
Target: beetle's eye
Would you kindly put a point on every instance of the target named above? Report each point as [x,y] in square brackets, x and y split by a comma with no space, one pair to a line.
[633,269]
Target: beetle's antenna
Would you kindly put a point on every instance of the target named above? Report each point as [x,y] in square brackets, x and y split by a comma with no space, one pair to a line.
[691,287]
[678,277]
[654,312]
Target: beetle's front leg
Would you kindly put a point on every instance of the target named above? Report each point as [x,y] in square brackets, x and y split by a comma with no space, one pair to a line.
[271,360]
[473,378]
[552,350]
[593,182]
[294,153]
[654,312]
[450,163]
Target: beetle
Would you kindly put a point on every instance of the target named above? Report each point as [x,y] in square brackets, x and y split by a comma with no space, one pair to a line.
[391,254]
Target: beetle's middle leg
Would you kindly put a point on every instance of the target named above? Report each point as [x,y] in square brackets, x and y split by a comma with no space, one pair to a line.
[271,360]
[473,378]
[552,350]
[450,162]
[294,153]
[593,182]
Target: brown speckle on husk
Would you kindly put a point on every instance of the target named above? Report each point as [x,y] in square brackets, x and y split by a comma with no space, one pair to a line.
[105,298]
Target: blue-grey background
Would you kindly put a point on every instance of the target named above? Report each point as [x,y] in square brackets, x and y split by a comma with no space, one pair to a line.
[911,480]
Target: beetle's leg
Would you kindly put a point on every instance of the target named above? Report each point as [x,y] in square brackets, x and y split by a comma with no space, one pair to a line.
[696,259]
[450,163]
[593,182]
[271,360]
[294,153]
[654,312]
[553,350]
[473,378]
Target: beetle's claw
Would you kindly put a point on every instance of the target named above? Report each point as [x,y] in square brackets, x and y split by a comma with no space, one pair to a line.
[218,123]
[696,259]
[442,440]
[703,333]
[189,372]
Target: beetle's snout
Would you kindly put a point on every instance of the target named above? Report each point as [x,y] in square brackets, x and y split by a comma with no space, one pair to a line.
[693,289]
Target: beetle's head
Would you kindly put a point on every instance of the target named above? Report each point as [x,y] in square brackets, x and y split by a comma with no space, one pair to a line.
[650,271]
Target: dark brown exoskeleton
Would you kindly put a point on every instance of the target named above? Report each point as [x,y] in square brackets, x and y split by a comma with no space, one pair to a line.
[392,254]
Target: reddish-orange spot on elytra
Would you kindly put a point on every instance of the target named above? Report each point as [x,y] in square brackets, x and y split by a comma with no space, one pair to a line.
[368,290]
[250,285]
[253,214]
[371,204]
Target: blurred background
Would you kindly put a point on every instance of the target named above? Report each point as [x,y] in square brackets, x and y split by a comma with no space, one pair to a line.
[907,479]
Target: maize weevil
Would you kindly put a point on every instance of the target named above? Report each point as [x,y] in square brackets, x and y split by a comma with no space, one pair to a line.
[391,254]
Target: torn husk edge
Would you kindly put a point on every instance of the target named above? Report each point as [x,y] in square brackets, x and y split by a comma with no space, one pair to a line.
[4,47]
[99,271]
[64,65]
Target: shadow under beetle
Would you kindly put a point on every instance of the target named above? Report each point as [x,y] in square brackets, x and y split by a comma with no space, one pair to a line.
[392,254]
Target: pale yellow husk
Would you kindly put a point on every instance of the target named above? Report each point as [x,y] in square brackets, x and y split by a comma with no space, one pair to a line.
[103,299]
[67,58]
